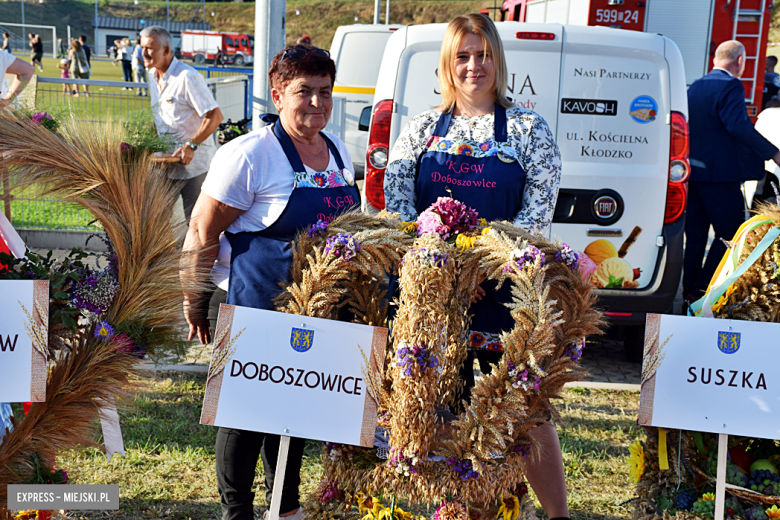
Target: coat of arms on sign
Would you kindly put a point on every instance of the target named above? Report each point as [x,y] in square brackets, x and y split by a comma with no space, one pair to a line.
[728,342]
[301,339]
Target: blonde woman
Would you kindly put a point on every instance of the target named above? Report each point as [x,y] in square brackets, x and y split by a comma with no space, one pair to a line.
[499,159]
[79,67]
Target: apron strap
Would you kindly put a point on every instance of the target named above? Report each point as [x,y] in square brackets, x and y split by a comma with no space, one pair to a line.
[499,124]
[443,124]
[334,151]
[292,153]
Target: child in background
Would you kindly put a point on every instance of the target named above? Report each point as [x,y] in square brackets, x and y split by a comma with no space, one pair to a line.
[64,65]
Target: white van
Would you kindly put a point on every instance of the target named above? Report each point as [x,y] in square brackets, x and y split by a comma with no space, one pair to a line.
[357,51]
[616,102]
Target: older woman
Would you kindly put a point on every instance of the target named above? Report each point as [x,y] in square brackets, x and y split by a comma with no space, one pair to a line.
[478,128]
[262,189]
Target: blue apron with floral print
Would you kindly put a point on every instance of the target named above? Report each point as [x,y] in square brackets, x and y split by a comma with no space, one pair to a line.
[489,178]
[261,260]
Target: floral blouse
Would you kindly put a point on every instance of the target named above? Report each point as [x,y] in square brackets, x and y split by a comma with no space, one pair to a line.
[528,134]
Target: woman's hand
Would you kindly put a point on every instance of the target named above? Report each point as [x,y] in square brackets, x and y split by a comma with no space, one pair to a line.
[197,322]
[479,293]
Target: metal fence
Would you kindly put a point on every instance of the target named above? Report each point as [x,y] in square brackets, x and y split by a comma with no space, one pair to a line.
[107,101]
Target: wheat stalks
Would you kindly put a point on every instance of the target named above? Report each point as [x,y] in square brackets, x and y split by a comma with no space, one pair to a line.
[221,355]
[38,333]
[653,360]
[373,374]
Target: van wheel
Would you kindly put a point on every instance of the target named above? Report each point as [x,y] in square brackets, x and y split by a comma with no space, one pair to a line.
[200,59]
[239,60]
[634,342]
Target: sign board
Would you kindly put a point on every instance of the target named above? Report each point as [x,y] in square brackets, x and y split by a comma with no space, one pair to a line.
[24,336]
[292,375]
[711,375]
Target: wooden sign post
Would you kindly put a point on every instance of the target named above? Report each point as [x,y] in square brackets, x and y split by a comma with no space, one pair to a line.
[711,375]
[311,372]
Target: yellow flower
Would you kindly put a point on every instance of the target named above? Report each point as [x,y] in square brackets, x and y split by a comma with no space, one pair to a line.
[773,513]
[407,227]
[636,461]
[466,241]
[487,230]
[482,222]
[510,507]
[369,505]
[706,497]
[27,515]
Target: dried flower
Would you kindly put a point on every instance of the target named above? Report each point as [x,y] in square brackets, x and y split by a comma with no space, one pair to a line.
[104,331]
[574,350]
[451,510]
[95,293]
[523,379]
[403,465]
[568,256]
[446,217]
[432,257]
[418,355]
[528,255]
[328,491]
[318,228]
[343,246]
[524,450]
[333,450]
[510,507]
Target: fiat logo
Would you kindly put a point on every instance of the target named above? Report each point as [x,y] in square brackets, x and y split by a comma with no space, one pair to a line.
[605,207]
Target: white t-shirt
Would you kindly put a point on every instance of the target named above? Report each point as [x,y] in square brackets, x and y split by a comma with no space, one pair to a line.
[253,174]
[179,105]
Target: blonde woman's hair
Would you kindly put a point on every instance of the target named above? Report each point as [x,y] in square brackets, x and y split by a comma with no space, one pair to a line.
[482,26]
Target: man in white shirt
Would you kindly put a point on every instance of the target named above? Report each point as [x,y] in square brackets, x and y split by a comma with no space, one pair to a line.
[183,106]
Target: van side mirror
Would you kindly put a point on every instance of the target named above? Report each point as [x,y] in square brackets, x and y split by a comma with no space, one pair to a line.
[365,119]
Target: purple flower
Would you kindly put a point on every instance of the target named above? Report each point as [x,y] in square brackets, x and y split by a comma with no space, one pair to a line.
[319,228]
[125,147]
[343,246]
[575,350]
[40,117]
[104,331]
[330,493]
[522,449]
[433,257]
[416,355]
[464,468]
[403,465]
[568,256]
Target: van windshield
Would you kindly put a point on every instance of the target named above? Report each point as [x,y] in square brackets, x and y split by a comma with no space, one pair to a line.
[360,57]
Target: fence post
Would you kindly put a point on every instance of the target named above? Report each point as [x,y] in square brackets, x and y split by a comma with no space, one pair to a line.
[6,189]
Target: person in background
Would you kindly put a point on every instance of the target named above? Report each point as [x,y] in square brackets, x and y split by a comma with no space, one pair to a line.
[79,68]
[36,50]
[23,72]
[219,58]
[771,81]
[523,159]
[7,42]
[139,71]
[723,145]
[183,106]
[87,49]
[64,66]
[304,40]
[261,190]
[768,125]
[124,55]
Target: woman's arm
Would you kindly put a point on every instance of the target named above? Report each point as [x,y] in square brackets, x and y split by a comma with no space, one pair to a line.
[541,161]
[401,172]
[201,245]
[24,73]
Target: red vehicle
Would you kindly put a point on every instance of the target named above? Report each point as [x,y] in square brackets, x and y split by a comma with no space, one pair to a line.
[203,46]
[696,26]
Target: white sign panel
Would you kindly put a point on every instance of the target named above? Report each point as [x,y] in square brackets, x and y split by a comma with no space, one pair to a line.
[292,375]
[24,321]
[711,375]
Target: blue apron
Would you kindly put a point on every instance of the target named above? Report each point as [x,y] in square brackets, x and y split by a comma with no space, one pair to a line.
[261,260]
[489,178]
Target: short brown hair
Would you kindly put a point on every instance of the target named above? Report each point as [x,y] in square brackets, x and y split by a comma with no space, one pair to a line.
[482,26]
[310,64]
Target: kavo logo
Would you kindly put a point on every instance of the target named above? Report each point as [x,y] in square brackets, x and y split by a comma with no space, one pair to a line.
[301,340]
[728,342]
[594,107]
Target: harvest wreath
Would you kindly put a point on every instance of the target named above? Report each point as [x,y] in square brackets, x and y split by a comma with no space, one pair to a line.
[100,319]
[472,465]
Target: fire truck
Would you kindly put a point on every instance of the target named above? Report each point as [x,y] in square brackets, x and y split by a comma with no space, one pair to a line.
[696,26]
[202,46]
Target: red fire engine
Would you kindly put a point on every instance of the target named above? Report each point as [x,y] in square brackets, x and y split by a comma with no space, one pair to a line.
[203,46]
[696,26]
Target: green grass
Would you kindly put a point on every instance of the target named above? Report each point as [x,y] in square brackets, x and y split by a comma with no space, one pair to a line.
[169,470]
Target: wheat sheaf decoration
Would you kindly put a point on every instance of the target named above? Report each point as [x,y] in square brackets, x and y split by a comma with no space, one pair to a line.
[132,305]
[475,460]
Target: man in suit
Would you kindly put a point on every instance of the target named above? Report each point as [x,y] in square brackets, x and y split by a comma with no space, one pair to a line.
[723,143]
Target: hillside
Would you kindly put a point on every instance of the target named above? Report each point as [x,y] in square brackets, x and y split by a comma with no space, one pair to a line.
[318,18]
